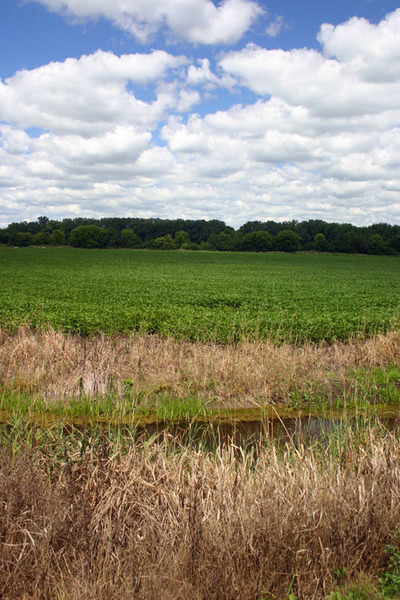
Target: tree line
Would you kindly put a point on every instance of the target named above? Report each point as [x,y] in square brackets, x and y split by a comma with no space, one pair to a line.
[186,234]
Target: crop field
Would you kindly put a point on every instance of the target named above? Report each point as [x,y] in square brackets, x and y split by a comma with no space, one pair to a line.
[204,296]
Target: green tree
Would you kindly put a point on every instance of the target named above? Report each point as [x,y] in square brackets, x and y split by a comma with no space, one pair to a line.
[226,241]
[129,239]
[258,241]
[191,246]
[252,226]
[24,239]
[395,243]
[345,238]
[320,243]
[41,239]
[57,238]
[43,222]
[164,242]
[109,237]
[377,245]
[86,236]
[287,241]
[181,238]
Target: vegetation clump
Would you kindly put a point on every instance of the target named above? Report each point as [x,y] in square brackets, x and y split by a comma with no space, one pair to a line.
[159,521]
[67,374]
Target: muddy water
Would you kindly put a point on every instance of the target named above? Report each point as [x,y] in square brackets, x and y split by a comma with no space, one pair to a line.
[242,427]
[246,430]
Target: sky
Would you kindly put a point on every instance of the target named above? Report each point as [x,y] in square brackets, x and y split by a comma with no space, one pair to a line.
[237,110]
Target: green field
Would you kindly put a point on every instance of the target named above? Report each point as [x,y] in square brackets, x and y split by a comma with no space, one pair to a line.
[203,295]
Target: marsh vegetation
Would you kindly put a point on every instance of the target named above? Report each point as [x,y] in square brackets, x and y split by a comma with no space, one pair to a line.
[91,509]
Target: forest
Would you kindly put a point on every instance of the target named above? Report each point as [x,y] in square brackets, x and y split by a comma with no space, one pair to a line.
[187,234]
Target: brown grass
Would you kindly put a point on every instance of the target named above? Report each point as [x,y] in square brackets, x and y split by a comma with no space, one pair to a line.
[189,526]
[58,365]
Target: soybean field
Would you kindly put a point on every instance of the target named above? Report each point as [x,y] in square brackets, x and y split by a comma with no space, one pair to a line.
[206,296]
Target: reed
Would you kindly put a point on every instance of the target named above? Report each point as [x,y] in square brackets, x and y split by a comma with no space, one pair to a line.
[123,372]
[158,520]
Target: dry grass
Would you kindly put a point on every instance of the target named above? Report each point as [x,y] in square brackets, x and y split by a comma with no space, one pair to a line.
[189,526]
[58,365]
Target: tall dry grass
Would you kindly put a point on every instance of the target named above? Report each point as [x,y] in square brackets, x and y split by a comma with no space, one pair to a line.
[153,524]
[57,365]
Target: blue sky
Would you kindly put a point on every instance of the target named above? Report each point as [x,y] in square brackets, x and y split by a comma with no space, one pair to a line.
[237,110]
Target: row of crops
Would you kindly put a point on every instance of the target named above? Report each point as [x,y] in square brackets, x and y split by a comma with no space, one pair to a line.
[207,295]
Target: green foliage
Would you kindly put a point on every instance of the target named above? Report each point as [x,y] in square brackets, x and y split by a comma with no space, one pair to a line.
[24,239]
[169,408]
[257,241]
[111,232]
[357,591]
[320,243]
[41,239]
[163,243]
[390,580]
[287,241]
[87,236]
[57,238]
[181,238]
[203,295]
[129,239]
[378,385]
[377,245]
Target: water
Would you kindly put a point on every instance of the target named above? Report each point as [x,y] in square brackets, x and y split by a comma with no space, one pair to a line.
[242,428]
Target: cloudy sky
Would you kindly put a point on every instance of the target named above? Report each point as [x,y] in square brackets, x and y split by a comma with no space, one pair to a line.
[237,110]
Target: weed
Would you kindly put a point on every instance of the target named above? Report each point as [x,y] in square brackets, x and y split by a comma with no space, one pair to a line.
[390,580]
[126,373]
[169,408]
[100,514]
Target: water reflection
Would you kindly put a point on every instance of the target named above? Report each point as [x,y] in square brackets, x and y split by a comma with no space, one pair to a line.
[242,428]
[247,433]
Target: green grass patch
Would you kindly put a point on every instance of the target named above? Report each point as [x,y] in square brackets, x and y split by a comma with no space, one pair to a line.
[362,388]
[162,407]
[169,408]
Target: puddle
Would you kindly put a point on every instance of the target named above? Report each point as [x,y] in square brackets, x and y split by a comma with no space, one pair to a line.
[249,432]
[242,427]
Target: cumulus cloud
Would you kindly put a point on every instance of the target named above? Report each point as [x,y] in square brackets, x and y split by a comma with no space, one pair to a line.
[202,75]
[88,95]
[322,139]
[187,99]
[327,87]
[196,21]
[372,51]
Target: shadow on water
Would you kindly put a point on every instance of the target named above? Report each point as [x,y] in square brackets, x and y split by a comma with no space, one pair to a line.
[242,428]
[303,429]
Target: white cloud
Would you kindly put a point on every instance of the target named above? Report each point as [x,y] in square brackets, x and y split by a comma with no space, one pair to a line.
[327,87]
[275,26]
[321,141]
[88,95]
[372,51]
[187,99]
[202,75]
[197,21]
